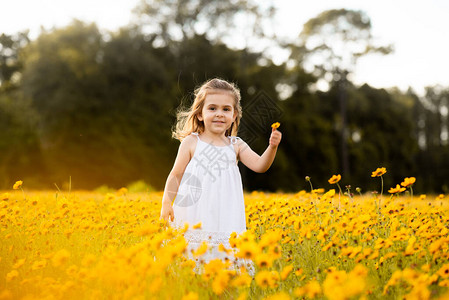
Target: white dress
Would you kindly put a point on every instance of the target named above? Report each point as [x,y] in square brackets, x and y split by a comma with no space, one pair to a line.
[211,192]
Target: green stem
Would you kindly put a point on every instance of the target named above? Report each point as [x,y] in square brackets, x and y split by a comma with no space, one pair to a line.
[381,191]
[339,195]
[23,192]
[382,187]
[311,186]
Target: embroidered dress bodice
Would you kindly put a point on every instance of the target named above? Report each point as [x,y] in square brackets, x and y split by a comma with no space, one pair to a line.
[211,193]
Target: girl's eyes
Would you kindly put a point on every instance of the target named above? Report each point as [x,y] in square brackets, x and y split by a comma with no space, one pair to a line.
[213,108]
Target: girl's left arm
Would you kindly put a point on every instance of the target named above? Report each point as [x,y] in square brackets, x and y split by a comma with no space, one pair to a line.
[253,161]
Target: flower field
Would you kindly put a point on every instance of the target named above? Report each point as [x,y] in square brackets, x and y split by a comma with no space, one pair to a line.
[323,244]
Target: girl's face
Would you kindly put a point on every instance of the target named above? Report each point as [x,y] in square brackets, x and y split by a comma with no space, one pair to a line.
[218,112]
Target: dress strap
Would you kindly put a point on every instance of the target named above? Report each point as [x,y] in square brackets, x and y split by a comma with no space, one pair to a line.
[234,139]
[197,135]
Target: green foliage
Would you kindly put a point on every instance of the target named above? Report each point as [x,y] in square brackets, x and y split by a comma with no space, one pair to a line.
[104,189]
[100,107]
[140,186]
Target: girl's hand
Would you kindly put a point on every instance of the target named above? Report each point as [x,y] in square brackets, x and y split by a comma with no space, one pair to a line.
[167,212]
[275,138]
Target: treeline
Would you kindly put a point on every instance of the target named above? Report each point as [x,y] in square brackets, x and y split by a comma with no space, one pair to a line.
[99,107]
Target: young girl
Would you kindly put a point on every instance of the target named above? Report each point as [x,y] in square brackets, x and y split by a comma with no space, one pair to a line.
[205,178]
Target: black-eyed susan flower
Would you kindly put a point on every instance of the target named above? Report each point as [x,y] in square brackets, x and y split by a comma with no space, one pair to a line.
[408,181]
[444,283]
[242,280]
[39,264]
[122,191]
[197,226]
[379,172]
[248,250]
[286,271]
[60,258]
[221,281]
[279,296]
[275,125]
[327,247]
[266,279]
[334,179]
[264,260]
[19,263]
[312,289]
[12,275]
[397,189]
[17,185]
[444,271]
[201,249]
[222,248]
[190,296]
[263,279]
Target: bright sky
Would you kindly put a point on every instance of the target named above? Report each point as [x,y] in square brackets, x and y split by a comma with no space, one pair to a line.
[418,30]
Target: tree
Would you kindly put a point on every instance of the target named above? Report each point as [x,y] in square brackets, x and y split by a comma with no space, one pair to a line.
[176,20]
[10,62]
[329,46]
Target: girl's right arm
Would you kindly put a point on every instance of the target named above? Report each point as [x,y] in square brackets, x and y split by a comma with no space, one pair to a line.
[174,178]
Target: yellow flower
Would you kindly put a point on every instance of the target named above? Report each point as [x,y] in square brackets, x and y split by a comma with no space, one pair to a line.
[39,264]
[397,189]
[299,272]
[286,271]
[359,270]
[60,258]
[201,249]
[266,279]
[334,179]
[12,275]
[264,260]
[270,238]
[275,125]
[379,172]
[329,194]
[222,248]
[444,283]
[214,266]
[122,191]
[325,248]
[155,285]
[6,295]
[410,249]
[197,226]
[220,282]
[190,296]
[278,296]
[19,263]
[408,181]
[444,271]
[394,279]
[248,250]
[5,196]
[88,260]
[312,289]
[17,185]
[242,280]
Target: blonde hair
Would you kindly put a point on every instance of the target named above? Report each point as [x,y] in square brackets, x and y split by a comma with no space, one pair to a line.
[187,120]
